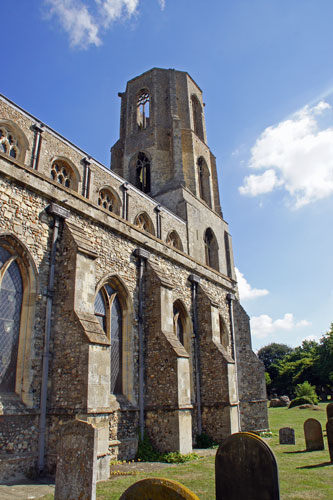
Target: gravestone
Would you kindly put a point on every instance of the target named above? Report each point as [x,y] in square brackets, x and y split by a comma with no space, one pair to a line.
[76,462]
[246,469]
[329,411]
[158,489]
[286,435]
[329,432]
[313,435]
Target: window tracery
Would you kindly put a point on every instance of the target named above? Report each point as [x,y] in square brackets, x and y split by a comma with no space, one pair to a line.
[62,173]
[174,240]
[143,173]
[11,294]
[106,200]
[142,106]
[109,313]
[143,222]
[8,143]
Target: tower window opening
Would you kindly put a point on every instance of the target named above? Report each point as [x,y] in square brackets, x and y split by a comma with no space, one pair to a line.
[142,110]
[211,249]
[204,182]
[143,173]
[197,117]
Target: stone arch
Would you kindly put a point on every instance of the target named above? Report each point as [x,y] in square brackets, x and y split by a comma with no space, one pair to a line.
[109,200]
[115,295]
[174,240]
[204,181]
[144,222]
[197,117]
[65,173]
[143,105]
[211,249]
[16,254]
[13,139]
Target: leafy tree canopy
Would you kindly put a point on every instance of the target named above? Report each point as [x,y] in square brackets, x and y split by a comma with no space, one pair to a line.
[272,353]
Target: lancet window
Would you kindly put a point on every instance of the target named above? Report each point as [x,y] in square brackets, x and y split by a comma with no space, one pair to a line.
[211,249]
[143,173]
[143,221]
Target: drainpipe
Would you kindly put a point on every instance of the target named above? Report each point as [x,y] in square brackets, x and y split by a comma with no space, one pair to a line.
[86,177]
[125,188]
[59,213]
[230,299]
[158,209]
[142,256]
[38,141]
[195,280]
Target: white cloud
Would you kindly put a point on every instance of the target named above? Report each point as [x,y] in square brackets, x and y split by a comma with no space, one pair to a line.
[84,20]
[76,21]
[246,292]
[311,338]
[296,155]
[262,326]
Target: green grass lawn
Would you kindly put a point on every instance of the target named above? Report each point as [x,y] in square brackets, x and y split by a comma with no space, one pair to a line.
[303,475]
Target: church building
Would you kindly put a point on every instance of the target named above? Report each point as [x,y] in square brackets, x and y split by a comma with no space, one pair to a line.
[118,297]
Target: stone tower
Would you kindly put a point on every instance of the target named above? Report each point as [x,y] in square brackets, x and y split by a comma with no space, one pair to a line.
[163,151]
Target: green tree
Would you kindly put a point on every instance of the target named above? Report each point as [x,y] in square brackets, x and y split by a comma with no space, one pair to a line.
[272,353]
[324,366]
[307,390]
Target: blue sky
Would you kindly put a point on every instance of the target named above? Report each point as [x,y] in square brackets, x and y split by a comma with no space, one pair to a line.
[265,67]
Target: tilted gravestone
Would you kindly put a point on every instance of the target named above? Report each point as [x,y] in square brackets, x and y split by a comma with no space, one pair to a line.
[329,411]
[246,469]
[76,462]
[329,431]
[313,435]
[158,489]
[287,435]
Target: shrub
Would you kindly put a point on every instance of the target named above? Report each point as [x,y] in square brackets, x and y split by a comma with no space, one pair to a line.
[300,401]
[205,441]
[147,453]
[307,390]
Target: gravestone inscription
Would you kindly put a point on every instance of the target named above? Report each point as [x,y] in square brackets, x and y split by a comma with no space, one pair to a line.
[287,435]
[76,462]
[313,435]
[329,432]
[246,469]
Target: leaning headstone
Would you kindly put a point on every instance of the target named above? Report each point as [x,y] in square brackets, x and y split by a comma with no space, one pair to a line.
[76,462]
[329,411]
[246,468]
[329,432]
[287,435]
[158,489]
[313,435]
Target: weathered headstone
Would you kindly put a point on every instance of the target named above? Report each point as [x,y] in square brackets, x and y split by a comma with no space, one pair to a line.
[313,435]
[246,469]
[76,462]
[329,411]
[287,435]
[329,432]
[158,489]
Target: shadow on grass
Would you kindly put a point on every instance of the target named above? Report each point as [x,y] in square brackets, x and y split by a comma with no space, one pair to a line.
[324,464]
[299,451]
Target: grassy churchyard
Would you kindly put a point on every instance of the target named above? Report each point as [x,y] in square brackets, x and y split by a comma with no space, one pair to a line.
[303,475]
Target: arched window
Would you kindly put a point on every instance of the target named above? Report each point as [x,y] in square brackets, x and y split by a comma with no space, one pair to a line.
[142,109]
[108,311]
[144,222]
[11,294]
[211,249]
[62,173]
[204,183]
[197,117]
[142,180]
[174,241]
[106,200]
[9,143]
